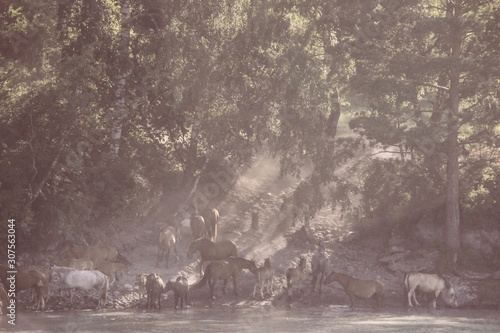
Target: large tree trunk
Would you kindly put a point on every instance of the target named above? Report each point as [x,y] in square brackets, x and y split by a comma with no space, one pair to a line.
[192,152]
[452,202]
[121,80]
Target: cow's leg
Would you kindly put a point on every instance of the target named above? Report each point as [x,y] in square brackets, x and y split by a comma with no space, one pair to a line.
[166,259]
[414,295]
[321,281]
[158,258]
[315,277]
[212,283]
[409,298]
[234,285]
[175,251]
[224,287]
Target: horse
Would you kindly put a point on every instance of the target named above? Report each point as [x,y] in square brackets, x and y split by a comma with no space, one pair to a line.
[211,221]
[264,276]
[363,289]
[140,281]
[211,251]
[111,267]
[166,240]
[84,280]
[77,263]
[27,279]
[320,265]
[94,253]
[154,289]
[429,283]
[295,275]
[223,270]
[180,287]
[197,227]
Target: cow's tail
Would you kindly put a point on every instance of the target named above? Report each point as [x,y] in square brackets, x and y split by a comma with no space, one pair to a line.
[288,284]
[105,290]
[406,288]
[203,280]
[446,282]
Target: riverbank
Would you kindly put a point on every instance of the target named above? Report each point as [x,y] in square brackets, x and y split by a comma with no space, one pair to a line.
[365,252]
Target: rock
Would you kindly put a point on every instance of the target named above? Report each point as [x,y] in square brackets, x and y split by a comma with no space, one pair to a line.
[349,237]
[429,233]
[481,243]
[398,249]
[128,287]
[495,275]
[391,258]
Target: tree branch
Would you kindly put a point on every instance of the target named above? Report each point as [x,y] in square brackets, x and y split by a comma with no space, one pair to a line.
[433,86]
[34,194]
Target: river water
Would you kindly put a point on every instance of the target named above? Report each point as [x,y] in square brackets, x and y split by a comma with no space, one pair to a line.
[259,319]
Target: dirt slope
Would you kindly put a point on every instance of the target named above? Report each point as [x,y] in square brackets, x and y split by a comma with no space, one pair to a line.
[260,189]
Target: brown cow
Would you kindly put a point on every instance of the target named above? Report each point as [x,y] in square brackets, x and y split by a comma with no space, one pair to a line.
[27,279]
[42,293]
[154,289]
[110,268]
[180,287]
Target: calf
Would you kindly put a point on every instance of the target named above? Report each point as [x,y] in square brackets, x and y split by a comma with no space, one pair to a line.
[295,275]
[180,287]
[264,276]
[154,289]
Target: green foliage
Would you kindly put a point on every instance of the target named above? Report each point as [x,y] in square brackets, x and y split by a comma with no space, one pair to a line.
[215,82]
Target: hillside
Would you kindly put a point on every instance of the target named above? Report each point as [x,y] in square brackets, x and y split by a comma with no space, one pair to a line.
[366,255]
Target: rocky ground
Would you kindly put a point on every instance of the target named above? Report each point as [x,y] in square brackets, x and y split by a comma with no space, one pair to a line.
[366,256]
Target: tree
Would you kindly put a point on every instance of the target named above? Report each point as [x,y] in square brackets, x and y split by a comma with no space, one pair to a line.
[425,61]
[121,79]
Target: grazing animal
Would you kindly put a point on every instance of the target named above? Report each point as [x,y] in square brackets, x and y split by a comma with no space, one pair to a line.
[83,280]
[166,240]
[264,276]
[211,251]
[211,221]
[111,267]
[355,287]
[429,283]
[4,301]
[197,227]
[42,293]
[320,265]
[94,253]
[154,289]
[80,263]
[295,275]
[27,279]
[140,281]
[180,287]
[223,270]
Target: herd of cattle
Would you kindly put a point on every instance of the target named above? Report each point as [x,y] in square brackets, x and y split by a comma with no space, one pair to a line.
[95,267]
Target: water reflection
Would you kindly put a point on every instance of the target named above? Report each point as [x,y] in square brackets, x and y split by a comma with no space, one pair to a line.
[259,319]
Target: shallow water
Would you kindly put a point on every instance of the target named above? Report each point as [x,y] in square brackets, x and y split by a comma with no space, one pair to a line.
[259,319]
